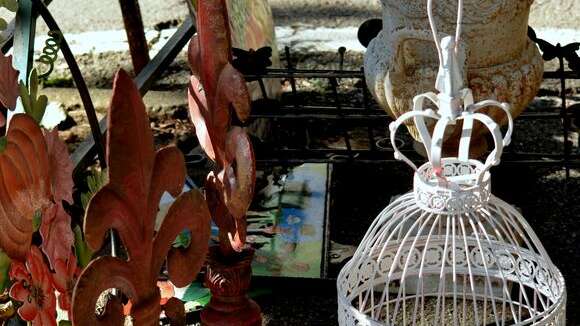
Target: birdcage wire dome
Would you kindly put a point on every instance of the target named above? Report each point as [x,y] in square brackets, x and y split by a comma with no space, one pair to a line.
[449,252]
[482,267]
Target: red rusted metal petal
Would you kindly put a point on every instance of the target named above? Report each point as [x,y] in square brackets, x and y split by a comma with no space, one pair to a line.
[8,82]
[175,311]
[102,274]
[169,176]
[107,209]
[130,148]
[239,178]
[138,176]
[61,167]
[194,56]
[232,90]
[238,237]
[221,215]
[214,198]
[24,184]
[201,117]
[190,212]
[214,43]
[57,235]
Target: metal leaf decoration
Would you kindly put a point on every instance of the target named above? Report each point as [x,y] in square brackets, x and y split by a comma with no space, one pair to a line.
[32,103]
[24,184]
[215,89]
[138,176]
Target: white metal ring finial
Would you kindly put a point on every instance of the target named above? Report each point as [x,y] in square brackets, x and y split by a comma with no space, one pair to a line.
[434,141]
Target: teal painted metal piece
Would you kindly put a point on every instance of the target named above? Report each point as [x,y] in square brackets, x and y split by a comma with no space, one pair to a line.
[24,38]
[24,32]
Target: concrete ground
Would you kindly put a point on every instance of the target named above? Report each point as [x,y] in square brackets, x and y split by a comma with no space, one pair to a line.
[106,14]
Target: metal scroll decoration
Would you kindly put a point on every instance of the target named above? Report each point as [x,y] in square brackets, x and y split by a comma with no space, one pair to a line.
[217,95]
[50,53]
[138,176]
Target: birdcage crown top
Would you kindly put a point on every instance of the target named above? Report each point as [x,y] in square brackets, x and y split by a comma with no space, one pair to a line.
[459,183]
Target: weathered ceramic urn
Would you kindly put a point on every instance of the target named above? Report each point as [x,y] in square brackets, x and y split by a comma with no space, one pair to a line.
[502,63]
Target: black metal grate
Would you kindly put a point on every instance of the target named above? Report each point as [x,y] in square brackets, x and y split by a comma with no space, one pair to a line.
[299,112]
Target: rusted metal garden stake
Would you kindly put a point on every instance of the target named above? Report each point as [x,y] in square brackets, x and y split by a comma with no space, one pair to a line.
[218,90]
[138,176]
[135,34]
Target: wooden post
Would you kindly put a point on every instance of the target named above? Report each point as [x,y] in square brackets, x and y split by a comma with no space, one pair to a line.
[135,34]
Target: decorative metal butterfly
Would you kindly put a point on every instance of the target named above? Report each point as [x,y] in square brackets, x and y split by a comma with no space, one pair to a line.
[550,51]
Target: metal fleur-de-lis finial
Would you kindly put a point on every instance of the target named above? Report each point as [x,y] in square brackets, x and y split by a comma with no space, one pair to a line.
[138,176]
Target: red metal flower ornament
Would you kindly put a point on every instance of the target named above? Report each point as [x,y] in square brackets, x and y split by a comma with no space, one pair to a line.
[61,168]
[55,227]
[25,188]
[128,203]
[215,89]
[33,287]
[64,279]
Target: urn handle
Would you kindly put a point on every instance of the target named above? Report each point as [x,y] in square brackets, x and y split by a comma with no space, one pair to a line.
[398,39]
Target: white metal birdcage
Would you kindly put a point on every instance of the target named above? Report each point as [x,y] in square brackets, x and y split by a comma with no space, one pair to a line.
[449,252]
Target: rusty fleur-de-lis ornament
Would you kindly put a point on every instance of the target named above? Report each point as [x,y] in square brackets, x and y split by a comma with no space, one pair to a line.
[217,96]
[138,176]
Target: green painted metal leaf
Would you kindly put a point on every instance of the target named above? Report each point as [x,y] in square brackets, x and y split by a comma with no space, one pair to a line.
[3,143]
[37,220]
[11,5]
[183,240]
[95,182]
[33,105]
[197,294]
[4,269]
[83,252]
